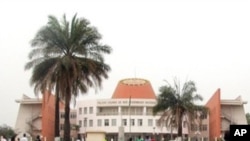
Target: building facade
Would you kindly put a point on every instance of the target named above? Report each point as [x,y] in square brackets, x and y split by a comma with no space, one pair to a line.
[36,116]
[223,112]
[73,123]
[29,116]
[130,110]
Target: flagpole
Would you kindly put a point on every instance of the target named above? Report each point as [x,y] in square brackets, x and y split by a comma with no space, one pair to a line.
[129,117]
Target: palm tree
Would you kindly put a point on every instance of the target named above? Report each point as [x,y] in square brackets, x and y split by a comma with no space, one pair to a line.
[178,105]
[67,57]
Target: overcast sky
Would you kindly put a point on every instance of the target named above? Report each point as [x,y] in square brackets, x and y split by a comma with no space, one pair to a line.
[204,41]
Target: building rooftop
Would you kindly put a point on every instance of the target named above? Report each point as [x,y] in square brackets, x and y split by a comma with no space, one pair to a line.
[27,100]
[134,88]
[237,101]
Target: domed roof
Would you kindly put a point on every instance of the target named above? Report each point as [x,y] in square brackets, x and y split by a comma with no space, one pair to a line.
[134,88]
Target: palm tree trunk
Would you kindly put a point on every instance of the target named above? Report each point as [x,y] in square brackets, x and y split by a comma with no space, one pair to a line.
[171,132]
[57,121]
[66,118]
[179,132]
[57,108]
[180,129]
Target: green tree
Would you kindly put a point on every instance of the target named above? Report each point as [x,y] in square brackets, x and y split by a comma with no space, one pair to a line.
[248,118]
[67,57]
[177,105]
[7,131]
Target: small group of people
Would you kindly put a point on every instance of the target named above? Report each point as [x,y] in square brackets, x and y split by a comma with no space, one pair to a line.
[139,138]
[24,138]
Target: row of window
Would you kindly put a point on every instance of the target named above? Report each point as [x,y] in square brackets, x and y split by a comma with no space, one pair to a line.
[202,116]
[62,126]
[85,110]
[113,122]
[132,110]
[106,122]
[123,113]
[72,115]
[133,122]
[195,127]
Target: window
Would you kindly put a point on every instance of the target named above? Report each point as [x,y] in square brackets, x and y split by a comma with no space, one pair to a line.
[100,109]
[90,123]
[73,115]
[157,123]
[132,122]
[113,122]
[150,122]
[85,110]
[203,127]
[125,111]
[139,122]
[149,111]
[99,122]
[139,110]
[61,126]
[106,122]
[80,123]
[114,111]
[90,110]
[85,123]
[124,122]
[204,116]
[61,115]
[194,127]
[80,111]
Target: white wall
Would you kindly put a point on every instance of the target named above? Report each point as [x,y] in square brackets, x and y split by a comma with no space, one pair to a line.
[235,112]
[119,103]
[26,113]
[95,136]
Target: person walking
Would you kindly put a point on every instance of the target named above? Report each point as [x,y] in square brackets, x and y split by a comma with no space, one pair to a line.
[78,137]
[24,138]
[130,139]
[38,138]
[139,138]
[147,138]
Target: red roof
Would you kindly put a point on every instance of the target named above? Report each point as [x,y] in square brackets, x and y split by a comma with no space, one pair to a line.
[134,88]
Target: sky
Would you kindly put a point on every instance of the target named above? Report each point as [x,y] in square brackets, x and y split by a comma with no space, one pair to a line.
[203,41]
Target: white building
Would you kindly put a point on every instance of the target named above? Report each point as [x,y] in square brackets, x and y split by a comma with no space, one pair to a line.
[130,107]
[34,111]
[232,112]
[29,116]
[223,113]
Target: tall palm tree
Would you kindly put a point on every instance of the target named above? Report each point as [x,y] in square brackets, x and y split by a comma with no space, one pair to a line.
[177,105]
[67,57]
